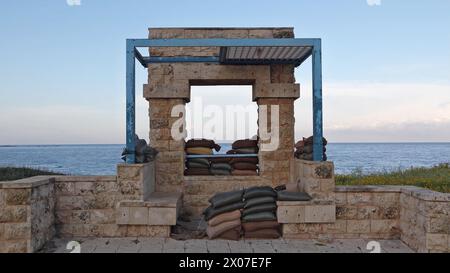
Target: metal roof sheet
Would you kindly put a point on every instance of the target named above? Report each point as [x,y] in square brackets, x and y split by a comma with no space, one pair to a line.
[265,54]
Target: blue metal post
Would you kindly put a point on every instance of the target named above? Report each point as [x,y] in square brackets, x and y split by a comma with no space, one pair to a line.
[317,102]
[130,103]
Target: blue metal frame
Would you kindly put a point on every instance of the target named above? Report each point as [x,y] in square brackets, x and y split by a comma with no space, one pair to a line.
[132,53]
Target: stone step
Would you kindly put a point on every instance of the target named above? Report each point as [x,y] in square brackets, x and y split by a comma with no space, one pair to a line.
[160,209]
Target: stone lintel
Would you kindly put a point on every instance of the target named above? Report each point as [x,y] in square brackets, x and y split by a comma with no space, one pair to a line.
[168,91]
[276,90]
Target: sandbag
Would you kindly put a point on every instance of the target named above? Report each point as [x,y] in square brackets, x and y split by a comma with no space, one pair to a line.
[196,171]
[259,192]
[191,164]
[219,171]
[260,216]
[206,143]
[253,226]
[232,234]
[203,161]
[225,217]
[263,234]
[308,141]
[253,160]
[244,172]
[214,231]
[269,207]
[258,201]
[220,160]
[221,166]
[226,198]
[210,212]
[245,166]
[244,143]
[199,151]
[293,196]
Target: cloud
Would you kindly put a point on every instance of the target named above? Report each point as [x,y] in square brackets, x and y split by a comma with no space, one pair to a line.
[378,112]
[73,2]
[373,2]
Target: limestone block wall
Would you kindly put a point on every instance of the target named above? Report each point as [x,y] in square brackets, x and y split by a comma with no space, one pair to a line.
[87,205]
[26,214]
[417,216]
[361,212]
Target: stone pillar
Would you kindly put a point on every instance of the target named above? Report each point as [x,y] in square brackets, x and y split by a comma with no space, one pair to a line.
[170,160]
[276,164]
[282,91]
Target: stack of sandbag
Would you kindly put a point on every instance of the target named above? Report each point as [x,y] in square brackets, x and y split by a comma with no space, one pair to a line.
[259,218]
[143,153]
[244,165]
[304,149]
[224,215]
[199,166]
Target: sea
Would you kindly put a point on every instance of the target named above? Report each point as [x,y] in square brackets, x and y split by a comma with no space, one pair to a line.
[348,158]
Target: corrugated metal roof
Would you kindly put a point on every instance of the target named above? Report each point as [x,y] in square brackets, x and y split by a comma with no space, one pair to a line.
[265,54]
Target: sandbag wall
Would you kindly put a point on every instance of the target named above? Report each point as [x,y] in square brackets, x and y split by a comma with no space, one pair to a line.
[221,165]
[250,213]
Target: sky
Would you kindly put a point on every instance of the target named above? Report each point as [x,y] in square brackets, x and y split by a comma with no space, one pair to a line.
[386,65]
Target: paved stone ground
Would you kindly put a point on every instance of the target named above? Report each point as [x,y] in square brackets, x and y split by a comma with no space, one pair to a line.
[160,245]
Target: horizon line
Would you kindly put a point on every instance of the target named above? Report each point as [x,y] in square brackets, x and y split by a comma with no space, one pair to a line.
[329,142]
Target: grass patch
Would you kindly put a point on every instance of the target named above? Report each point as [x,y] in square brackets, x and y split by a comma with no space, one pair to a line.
[15,173]
[436,178]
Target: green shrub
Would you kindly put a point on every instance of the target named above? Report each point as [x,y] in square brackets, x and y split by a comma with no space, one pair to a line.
[435,178]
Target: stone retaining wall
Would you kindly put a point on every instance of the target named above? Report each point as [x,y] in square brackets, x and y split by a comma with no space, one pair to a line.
[419,217]
[33,210]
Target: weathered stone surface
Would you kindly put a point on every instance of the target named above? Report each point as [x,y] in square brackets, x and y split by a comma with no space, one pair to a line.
[384,226]
[13,214]
[358,226]
[138,216]
[162,216]
[291,214]
[359,198]
[346,212]
[16,231]
[276,90]
[437,241]
[18,196]
[14,246]
[320,214]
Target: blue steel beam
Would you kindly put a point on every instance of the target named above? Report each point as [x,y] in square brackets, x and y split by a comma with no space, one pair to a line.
[148,60]
[130,103]
[140,58]
[317,103]
[218,42]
